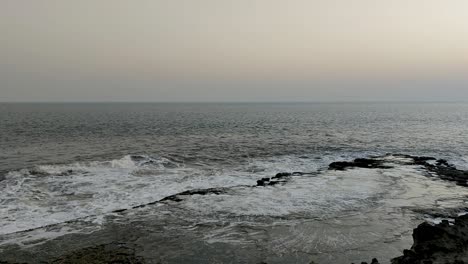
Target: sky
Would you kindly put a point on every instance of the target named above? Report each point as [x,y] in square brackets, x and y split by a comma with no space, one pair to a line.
[226,50]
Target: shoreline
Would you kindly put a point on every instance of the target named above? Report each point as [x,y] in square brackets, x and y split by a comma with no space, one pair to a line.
[116,241]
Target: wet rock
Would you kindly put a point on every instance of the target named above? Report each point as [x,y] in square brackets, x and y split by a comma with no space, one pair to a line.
[271,183]
[443,162]
[421,160]
[449,172]
[177,198]
[263,182]
[442,243]
[278,178]
[340,165]
[441,168]
[358,163]
[282,175]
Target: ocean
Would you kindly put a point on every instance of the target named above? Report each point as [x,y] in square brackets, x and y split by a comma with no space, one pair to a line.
[70,168]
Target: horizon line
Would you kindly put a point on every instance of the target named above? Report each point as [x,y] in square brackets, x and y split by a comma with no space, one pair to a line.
[253,102]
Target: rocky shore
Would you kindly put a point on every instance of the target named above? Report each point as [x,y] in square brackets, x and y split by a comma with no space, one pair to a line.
[437,167]
[442,243]
[445,243]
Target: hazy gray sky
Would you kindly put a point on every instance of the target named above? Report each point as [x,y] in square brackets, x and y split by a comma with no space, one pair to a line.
[233,50]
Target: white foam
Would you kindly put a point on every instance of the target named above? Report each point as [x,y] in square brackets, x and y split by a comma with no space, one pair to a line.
[461,163]
[291,163]
[59,193]
[334,193]
[78,190]
[438,220]
[324,196]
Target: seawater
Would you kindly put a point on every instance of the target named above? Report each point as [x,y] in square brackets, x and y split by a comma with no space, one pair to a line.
[62,162]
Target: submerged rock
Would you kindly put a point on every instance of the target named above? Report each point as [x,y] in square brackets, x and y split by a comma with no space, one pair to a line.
[442,243]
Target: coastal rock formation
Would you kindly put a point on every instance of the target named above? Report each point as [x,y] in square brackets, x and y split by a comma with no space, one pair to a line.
[439,167]
[448,172]
[176,197]
[278,178]
[444,243]
[358,163]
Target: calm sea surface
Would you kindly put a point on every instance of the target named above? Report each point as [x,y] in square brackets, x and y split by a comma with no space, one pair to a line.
[220,134]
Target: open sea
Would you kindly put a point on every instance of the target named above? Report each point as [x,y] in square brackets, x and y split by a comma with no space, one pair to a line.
[61,164]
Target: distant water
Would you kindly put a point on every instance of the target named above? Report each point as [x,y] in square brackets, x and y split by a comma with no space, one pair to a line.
[226,134]
[60,162]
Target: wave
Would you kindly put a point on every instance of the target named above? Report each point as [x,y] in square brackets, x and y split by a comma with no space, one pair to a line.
[51,194]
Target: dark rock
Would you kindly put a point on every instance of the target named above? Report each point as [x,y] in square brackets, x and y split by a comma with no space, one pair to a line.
[374,261]
[442,243]
[282,175]
[340,165]
[177,198]
[358,163]
[216,191]
[442,168]
[274,182]
[278,178]
[137,157]
[448,172]
[174,198]
[421,159]
[442,162]
[261,183]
